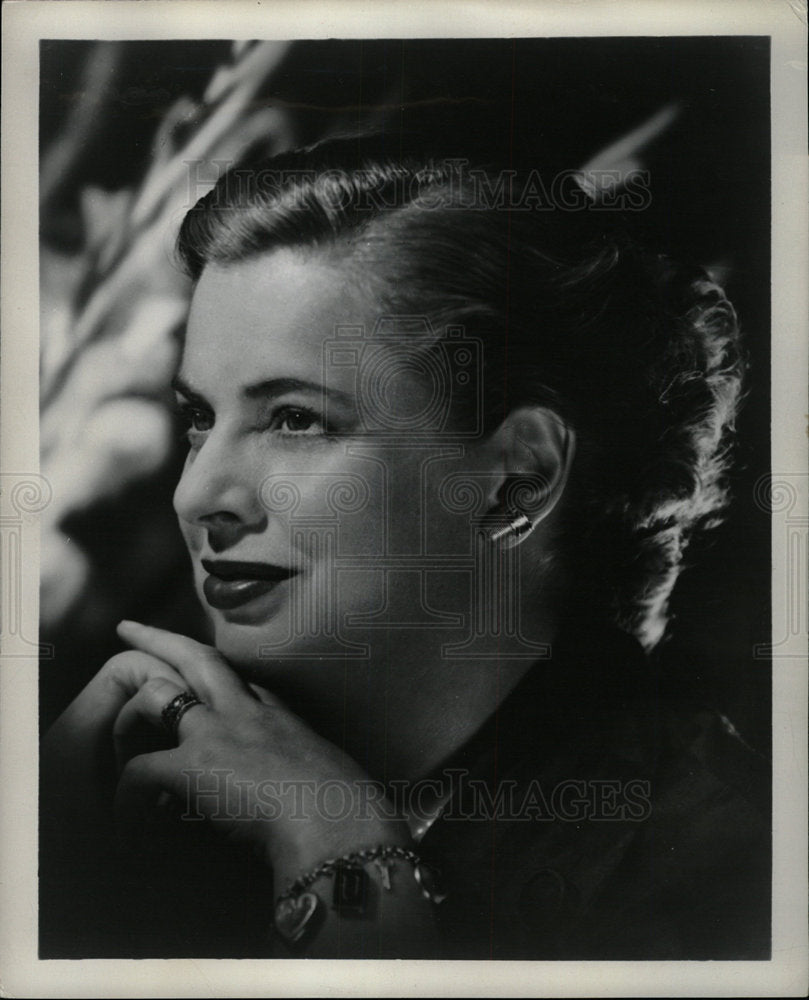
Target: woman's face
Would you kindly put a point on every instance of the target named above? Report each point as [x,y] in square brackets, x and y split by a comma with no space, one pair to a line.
[312,496]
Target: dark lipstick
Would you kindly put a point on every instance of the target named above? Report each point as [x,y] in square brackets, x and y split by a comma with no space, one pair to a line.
[230,584]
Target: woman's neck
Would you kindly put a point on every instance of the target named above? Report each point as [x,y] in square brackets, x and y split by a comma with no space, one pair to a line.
[399,719]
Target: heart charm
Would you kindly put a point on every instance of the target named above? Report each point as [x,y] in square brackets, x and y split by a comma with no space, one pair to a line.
[427,880]
[294,915]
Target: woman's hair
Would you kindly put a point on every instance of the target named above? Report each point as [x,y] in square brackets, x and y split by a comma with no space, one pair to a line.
[637,353]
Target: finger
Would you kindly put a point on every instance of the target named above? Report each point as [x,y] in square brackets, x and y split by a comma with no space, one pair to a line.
[130,670]
[116,682]
[147,706]
[144,783]
[204,669]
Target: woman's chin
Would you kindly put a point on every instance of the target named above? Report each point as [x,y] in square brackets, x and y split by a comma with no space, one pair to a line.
[262,651]
[248,644]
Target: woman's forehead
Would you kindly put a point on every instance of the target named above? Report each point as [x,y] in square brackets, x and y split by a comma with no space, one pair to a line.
[281,305]
[285,285]
[292,316]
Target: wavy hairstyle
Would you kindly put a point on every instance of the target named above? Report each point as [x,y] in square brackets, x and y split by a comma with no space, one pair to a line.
[637,353]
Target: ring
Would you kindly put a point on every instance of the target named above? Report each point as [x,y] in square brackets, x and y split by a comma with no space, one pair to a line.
[176,709]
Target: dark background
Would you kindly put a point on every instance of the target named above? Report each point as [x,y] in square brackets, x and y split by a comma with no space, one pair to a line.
[556,100]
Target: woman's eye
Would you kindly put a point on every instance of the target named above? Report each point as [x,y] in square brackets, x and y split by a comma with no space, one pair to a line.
[297,420]
[200,420]
[197,421]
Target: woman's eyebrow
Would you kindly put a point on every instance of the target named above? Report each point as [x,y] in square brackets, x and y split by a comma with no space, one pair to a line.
[267,389]
[179,385]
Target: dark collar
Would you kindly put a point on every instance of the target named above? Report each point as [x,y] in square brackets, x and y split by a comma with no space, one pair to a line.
[597,688]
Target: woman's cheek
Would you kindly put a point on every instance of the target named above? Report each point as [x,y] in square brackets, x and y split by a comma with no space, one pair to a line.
[193,535]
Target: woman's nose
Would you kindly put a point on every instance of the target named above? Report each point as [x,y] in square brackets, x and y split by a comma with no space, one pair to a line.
[219,488]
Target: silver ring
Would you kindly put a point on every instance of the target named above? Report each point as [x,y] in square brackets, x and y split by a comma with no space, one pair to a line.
[176,709]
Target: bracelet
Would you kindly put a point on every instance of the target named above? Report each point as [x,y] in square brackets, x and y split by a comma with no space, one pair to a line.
[296,909]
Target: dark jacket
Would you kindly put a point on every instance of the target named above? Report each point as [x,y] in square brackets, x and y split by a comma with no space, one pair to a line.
[594,820]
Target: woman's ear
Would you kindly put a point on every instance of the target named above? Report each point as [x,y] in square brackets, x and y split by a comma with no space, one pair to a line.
[531,454]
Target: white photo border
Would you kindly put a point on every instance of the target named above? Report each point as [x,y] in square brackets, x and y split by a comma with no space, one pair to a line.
[26,22]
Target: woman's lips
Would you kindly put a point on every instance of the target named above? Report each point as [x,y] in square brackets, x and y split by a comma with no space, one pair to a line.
[230,584]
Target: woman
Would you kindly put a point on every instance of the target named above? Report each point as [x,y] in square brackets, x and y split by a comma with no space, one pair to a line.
[448,440]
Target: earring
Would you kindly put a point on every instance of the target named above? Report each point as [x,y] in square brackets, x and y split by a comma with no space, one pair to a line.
[518,525]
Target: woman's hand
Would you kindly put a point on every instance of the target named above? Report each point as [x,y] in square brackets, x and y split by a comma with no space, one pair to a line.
[81,878]
[245,762]
[77,760]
